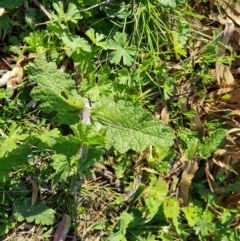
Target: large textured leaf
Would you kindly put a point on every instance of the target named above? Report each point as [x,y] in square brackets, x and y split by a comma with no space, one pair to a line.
[212,142]
[55,91]
[39,213]
[130,127]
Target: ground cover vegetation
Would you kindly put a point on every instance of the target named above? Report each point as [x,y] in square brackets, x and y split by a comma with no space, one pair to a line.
[119,120]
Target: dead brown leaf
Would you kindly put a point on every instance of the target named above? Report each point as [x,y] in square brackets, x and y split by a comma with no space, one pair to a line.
[165,115]
[186,179]
[232,9]
[34,191]
[223,72]
[15,77]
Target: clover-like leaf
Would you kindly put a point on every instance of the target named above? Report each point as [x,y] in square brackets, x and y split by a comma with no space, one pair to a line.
[9,143]
[48,136]
[121,50]
[96,38]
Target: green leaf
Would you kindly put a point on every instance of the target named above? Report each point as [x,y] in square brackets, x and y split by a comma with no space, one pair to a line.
[214,141]
[4,23]
[72,43]
[155,193]
[7,224]
[11,4]
[71,15]
[39,213]
[8,144]
[171,211]
[122,51]
[66,150]
[55,91]
[37,41]
[205,224]
[17,157]
[206,194]
[97,38]
[130,127]
[179,49]
[67,145]
[61,166]
[232,187]
[192,147]
[138,194]
[171,3]
[85,58]
[124,220]
[169,87]
[192,214]
[47,136]
[116,10]
[96,89]
[118,236]
[88,134]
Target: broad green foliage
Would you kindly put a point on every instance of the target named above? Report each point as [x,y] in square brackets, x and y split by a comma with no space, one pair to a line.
[192,148]
[121,50]
[55,91]
[130,127]
[30,17]
[169,87]
[171,3]
[70,15]
[71,43]
[9,143]
[97,38]
[201,221]
[47,136]
[172,212]
[62,167]
[154,196]
[205,149]
[11,3]
[212,142]
[36,41]
[38,213]
[16,157]
[96,88]
[131,60]
[4,23]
